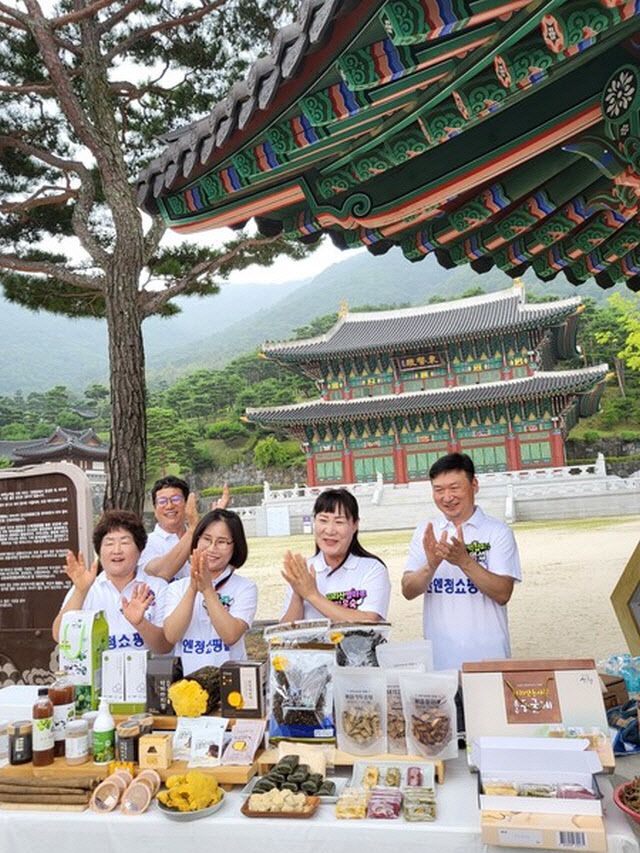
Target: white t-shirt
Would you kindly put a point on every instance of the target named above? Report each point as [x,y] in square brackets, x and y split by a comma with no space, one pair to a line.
[462,623]
[361,583]
[103,595]
[201,645]
[159,543]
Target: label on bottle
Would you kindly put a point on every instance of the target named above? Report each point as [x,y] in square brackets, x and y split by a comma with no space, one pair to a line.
[104,744]
[62,714]
[77,747]
[43,734]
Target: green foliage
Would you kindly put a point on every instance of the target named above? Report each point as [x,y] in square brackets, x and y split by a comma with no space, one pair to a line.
[227,430]
[170,439]
[4,462]
[271,453]
[591,435]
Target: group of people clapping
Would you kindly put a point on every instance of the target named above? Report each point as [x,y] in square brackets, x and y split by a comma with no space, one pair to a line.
[201,607]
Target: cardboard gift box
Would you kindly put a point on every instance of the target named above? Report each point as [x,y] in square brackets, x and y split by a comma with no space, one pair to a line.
[552,823]
[545,831]
[540,762]
[614,691]
[547,699]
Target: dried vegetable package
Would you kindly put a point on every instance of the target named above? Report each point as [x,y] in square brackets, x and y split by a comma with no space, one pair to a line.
[301,693]
[246,736]
[356,644]
[428,702]
[360,697]
[302,632]
[396,724]
[206,744]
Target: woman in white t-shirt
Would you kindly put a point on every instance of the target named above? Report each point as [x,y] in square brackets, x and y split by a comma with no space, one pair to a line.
[208,613]
[342,582]
[133,603]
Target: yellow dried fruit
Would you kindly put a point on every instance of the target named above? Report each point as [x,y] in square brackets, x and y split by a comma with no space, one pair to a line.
[188,698]
[191,792]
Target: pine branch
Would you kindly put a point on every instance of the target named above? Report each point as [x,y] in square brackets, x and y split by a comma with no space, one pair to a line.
[28,89]
[14,18]
[172,24]
[39,198]
[40,28]
[120,15]
[153,237]
[81,14]
[51,270]
[155,301]
[66,166]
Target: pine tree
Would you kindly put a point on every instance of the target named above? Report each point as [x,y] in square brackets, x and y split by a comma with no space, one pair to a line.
[87,88]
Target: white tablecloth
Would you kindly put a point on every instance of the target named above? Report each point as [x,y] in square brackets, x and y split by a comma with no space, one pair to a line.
[456,830]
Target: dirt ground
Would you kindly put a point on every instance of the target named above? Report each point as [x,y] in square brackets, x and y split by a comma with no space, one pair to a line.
[562,608]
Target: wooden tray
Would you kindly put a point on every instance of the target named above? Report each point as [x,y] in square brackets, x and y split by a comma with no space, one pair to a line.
[43,807]
[227,775]
[310,809]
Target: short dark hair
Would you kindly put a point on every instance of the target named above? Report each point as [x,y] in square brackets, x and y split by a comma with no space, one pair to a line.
[116,519]
[234,523]
[453,462]
[333,499]
[170,482]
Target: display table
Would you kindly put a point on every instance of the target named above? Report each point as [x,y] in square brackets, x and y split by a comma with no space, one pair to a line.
[456,830]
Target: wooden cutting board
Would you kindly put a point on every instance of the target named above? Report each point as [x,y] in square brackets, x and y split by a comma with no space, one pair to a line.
[41,807]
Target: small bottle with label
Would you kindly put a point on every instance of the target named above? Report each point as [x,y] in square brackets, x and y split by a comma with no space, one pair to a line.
[62,694]
[77,742]
[104,734]
[42,719]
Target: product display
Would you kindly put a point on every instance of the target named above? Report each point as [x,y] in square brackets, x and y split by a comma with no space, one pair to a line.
[104,735]
[190,792]
[20,742]
[62,694]
[76,742]
[301,693]
[42,722]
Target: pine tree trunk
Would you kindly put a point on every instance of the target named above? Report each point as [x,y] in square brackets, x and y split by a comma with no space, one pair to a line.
[127,448]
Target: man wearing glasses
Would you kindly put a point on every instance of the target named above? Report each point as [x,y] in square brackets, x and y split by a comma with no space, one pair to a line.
[168,547]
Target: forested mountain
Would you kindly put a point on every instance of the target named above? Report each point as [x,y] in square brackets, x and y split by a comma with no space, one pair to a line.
[40,350]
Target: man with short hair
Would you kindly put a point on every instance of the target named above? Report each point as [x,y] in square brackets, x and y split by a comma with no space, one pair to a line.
[465,564]
[169,545]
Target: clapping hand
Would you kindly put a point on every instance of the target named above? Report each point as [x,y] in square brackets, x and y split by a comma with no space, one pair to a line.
[454,550]
[76,570]
[224,500]
[141,599]
[430,545]
[298,575]
[199,577]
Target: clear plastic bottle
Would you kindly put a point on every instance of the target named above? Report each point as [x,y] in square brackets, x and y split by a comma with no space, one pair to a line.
[62,694]
[104,734]
[42,718]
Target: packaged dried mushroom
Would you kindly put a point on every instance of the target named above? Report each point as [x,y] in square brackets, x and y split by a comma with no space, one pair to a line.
[301,693]
[360,703]
[428,702]
[356,644]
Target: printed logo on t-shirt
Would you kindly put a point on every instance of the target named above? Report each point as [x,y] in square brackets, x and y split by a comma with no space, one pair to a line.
[479,551]
[125,641]
[225,600]
[449,586]
[203,647]
[351,598]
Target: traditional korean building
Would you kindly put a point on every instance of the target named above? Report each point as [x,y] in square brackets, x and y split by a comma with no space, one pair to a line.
[83,448]
[401,388]
[488,132]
